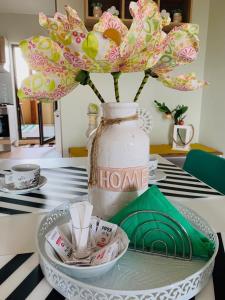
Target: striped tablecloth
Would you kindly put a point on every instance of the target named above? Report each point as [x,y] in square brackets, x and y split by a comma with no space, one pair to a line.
[21,276]
[68,183]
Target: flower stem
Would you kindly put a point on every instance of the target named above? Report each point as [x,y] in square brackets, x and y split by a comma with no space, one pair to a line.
[144,81]
[83,77]
[148,73]
[116,76]
[92,86]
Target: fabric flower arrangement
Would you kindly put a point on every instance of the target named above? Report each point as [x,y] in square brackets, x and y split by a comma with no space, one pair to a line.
[65,58]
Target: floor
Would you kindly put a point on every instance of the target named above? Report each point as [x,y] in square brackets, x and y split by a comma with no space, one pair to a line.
[31,152]
[36,144]
[32,130]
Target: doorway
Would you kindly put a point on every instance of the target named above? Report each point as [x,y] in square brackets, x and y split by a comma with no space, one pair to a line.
[36,121]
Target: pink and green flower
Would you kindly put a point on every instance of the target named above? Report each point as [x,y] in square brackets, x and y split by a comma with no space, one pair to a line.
[109,48]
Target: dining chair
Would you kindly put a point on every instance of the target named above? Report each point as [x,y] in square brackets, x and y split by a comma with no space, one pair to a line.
[207,167]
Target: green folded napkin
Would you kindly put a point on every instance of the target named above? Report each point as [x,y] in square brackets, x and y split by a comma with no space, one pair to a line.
[153,199]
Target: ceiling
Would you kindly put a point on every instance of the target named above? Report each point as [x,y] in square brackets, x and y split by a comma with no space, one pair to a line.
[27,6]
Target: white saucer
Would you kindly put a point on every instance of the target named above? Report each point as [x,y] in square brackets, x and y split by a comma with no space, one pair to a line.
[159,175]
[10,188]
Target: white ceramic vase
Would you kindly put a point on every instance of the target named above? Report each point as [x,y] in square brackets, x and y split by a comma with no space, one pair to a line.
[122,161]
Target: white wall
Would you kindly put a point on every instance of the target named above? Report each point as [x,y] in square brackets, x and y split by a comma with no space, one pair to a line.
[74,105]
[16,27]
[32,7]
[212,130]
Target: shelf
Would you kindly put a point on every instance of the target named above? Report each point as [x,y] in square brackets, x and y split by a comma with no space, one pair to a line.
[106,4]
[127,14]
[123,7]
[90,22]
[127,22]
[172,25]
[172,5]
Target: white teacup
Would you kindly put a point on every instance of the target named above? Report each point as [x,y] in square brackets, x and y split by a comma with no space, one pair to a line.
[23,176]
[153,164]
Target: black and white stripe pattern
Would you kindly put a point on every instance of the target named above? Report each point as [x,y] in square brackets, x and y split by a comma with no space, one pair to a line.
[63,184]
[180,184]
[21,278]
[67,183]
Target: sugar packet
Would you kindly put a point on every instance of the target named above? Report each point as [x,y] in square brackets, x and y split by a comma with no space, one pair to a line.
[94,225]
[106,254]
[93,229]
[60,244]
[105,233]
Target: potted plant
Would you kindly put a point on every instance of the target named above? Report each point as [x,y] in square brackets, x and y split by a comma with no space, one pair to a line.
[97,9]
[177,15]
[180,135]
[177,114]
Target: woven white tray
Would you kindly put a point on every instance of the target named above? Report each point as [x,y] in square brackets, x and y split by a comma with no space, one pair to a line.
[137,276]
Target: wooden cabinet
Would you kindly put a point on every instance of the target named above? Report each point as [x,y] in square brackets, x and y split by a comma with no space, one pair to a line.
[123,6]
[2,50]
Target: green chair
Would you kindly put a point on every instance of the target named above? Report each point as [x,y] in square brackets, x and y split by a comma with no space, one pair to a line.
[207,167]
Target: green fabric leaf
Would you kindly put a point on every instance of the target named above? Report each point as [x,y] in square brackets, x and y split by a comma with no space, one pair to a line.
[148,38]
[51,86]
[155,24]
[154,200]
[23,45]
[116,75]
[20,94]
[90,45]
[131,38]
[82,77]
[55,57]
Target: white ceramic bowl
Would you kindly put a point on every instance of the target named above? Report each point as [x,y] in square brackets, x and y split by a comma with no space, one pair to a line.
[59,217]
[80,272]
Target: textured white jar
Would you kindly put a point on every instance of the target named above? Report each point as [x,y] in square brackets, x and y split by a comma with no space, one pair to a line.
[122,159]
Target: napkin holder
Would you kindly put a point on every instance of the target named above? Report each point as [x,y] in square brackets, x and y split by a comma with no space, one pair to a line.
[168,222]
